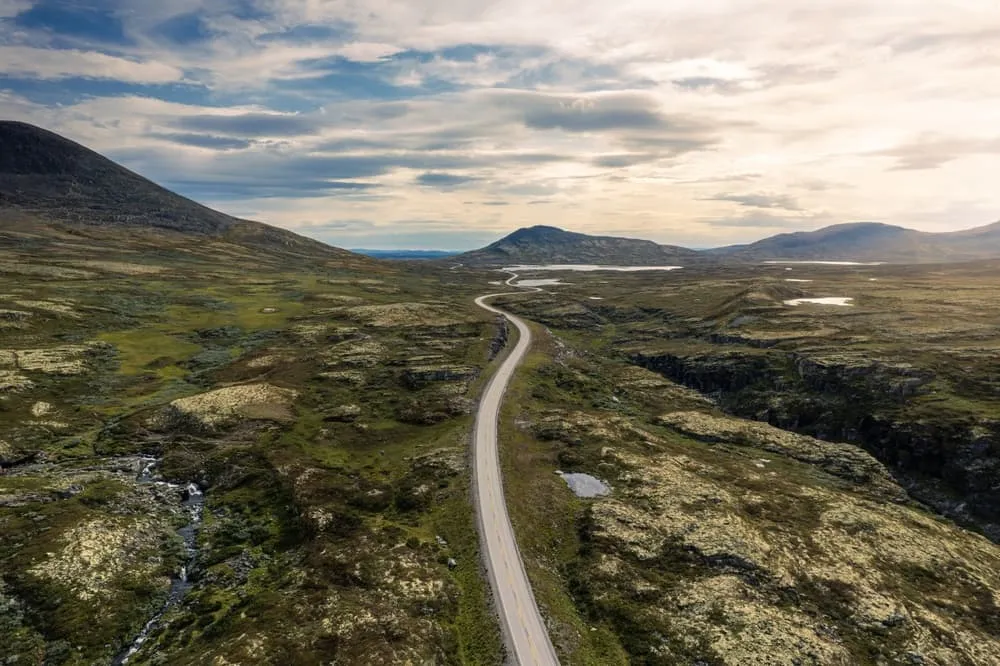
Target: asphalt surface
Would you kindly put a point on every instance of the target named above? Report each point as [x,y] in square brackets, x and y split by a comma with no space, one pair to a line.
[524,631]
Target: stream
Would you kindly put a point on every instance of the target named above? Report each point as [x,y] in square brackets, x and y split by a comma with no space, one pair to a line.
[193,501]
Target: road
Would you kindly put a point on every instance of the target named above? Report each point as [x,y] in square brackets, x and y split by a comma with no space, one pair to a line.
[524,631]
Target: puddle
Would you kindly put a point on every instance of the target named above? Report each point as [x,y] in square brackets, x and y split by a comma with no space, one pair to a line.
[796,280]
[585,485]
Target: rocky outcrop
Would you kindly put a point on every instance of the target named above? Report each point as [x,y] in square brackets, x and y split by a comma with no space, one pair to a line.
[421,375]
[698,559]
[227,406]
[499,341]
[845,461]
[950,461]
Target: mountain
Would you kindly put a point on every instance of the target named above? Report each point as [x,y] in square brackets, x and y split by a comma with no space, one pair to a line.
[857,241]
[47,179]
[871,241]
[551,245]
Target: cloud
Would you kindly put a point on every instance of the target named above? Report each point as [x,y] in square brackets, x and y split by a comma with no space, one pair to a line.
[10,8]
[444,180]
[931,152]
[697,83]
[619,112]
[67,63]
[648,117]
[251,124]
[619,160]
[204,141]
[768,221]
[759,200]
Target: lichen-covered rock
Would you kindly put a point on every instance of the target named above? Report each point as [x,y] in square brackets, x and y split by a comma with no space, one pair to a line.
[355,353]
[51,307]
[229,405]
[420,375]
[98,552]
[346,413]
[63,360]
[738,565]
[41,408]
[14,381]
[405,315]
[843,460]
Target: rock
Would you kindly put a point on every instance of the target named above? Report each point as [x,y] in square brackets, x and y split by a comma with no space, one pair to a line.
[407,315]
[731,558]
[229,405]
[40,409]
[14,382]
[344,413]
[422,375]
[842,460]
[499,341]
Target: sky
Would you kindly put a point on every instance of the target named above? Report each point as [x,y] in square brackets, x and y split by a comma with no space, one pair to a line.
[449,123]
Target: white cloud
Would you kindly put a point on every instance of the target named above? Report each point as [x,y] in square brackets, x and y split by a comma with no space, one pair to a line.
[637,113]
[13,7]
[63,63]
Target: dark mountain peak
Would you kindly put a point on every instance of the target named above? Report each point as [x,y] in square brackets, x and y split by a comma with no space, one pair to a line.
[538,230]
[51,176]
[26,149]
[47,178]
[547,244]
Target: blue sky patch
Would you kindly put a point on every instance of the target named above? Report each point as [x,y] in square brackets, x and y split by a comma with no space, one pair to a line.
[88,21]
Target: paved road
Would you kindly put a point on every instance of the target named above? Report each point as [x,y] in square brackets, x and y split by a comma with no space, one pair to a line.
[527,640]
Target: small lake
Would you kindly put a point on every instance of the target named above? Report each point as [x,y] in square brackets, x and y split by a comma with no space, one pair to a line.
[538,283]
[830,263]
[827,300]
[588,268]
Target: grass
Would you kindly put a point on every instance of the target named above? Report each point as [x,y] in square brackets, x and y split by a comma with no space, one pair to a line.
[545,516]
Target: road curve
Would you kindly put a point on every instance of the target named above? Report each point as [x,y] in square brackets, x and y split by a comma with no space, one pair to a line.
[524,631]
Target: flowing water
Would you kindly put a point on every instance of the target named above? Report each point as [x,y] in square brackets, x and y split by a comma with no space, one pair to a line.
[193,501]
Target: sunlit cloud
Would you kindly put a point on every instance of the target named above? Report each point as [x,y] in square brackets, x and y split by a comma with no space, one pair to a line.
[378,122]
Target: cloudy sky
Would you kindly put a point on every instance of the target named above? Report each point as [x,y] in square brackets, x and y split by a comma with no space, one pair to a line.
[448,123]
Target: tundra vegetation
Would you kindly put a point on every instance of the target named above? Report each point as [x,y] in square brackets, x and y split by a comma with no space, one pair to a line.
[322,404]
[789,484]
[803,484]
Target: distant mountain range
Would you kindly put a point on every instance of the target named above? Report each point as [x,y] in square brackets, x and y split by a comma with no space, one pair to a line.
[50,182]
[861,241]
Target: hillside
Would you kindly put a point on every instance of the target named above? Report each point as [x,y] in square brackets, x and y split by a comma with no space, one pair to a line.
[46,179]
[542,245]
